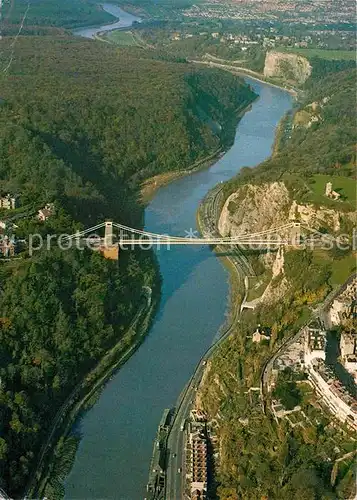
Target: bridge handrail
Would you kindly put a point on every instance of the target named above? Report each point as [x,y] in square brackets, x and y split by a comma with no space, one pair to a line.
[239,239]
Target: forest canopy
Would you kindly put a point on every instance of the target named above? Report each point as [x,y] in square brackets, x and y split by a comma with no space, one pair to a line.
[82,124]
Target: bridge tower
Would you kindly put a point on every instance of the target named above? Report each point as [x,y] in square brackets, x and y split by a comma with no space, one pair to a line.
[296,234]
[108,236]
[109,250]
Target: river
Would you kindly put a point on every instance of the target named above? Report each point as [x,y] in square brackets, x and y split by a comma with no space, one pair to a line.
[124,19]
[117,433]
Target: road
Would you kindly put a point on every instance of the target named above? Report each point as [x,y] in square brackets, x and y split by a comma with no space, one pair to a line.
[175,481]
[210,210]
[319,312]
[243,71]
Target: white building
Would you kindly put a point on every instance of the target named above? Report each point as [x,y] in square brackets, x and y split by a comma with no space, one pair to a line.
[343,406]
[315,344]
[8,202]
[46,212]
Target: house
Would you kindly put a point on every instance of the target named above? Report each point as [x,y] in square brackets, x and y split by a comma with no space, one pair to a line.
[8,202]
[7,247]
[46,212]
[330,193]
[260,334]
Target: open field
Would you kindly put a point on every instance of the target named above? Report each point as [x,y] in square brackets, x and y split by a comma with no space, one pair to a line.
[343,268]
[345,55]
[257,285]
[346,186]
[122,38]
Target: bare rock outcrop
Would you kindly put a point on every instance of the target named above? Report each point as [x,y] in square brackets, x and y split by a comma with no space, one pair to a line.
[255,208]
[291,67]
[315,217]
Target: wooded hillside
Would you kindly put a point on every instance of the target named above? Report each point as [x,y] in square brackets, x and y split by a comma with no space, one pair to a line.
[81,125]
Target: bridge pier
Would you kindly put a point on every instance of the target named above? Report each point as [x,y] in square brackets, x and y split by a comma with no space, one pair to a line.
[296,234]
[108,236]
[109,250]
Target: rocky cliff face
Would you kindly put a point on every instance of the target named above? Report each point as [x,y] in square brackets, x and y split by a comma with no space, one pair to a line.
[291,67]
[254,208]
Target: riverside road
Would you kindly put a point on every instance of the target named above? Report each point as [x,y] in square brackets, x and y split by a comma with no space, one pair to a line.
[117,434]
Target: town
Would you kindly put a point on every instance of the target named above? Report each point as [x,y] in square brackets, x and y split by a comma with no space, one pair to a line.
[315,12]
[307,360]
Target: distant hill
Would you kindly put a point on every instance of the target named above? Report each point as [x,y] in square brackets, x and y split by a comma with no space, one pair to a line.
[57,13]
[86,121]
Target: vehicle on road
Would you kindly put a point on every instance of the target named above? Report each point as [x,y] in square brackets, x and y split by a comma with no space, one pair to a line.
[179,470]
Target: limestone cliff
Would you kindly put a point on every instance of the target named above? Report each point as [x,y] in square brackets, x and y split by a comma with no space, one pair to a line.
[254,208]
[291,67]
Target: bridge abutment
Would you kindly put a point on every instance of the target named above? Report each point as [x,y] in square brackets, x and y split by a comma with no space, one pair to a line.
[109,250]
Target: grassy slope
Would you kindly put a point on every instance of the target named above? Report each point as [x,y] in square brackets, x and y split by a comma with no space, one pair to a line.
[346,186]
[335,55]
[122,38]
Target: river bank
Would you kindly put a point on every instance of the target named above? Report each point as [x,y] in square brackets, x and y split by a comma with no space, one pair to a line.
[253,75]
[122,19]
[153,184]
[82,394]
[118,432]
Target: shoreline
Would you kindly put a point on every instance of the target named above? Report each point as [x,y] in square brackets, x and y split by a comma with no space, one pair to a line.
[99,28]
[150,186]
[70,410]
[239,71]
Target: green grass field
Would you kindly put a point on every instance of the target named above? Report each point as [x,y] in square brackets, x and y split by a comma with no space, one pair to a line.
[346,186]
[121,38]
[257,286]
[342,269]
[345,55]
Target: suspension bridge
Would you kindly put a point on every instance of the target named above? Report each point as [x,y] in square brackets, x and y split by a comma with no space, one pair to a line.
[292,234]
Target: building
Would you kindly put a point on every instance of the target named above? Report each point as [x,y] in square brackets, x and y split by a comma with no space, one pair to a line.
[198,465]
[333,394]
[197,455]
[348,348]
[348,344]
[260,334]
[330,193]
[8,202]
[7,247]
[345,305]
[46,212]
[315,344]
